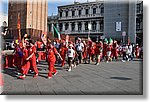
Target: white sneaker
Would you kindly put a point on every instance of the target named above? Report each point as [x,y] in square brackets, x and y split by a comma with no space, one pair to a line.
[97,64]
[69,70]
[106,61]
[49,77]
[123,61]
[56,73]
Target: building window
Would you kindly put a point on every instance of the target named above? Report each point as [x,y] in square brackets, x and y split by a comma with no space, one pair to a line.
[79,26]
[60,14]
[94,10]
[73,27]
[86,11]
[60,26]
[66,26]
[79,12]
[94,26]
[66,13]
[138,8]
[102,10]
[73,13]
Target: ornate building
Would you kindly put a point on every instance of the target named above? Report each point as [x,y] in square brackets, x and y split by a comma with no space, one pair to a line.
[120,20]
[74,19]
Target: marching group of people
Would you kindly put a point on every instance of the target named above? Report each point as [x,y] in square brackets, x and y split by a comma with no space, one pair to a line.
[74,53]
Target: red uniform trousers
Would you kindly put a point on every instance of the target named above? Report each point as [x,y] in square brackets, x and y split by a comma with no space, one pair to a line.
[51,68]
[115,53]
[63,61]
[17,61]
[26,66]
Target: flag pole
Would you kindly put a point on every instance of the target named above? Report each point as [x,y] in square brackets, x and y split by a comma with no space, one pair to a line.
[19,36]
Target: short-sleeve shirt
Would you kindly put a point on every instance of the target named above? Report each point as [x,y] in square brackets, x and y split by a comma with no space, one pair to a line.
[32,50]
[71,53]
[79,46]
[51,54]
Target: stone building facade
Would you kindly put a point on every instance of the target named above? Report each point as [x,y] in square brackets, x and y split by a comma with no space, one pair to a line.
[108,19]
[74,19]
[33,17]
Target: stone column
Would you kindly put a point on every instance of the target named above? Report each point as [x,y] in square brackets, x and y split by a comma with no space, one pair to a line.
[70,13]
[83,12]
[76,26]
[70,26]
[76,12]
[57,25]
[51,26]
[90,10]
[98,10]
[97,26]
[83,26]
[63,14]
[63,28]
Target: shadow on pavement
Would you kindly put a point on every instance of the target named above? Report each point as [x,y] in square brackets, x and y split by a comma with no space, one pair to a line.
[121,78]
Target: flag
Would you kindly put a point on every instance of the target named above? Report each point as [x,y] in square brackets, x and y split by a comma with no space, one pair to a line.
[55,32]
[44,38]
[18,26]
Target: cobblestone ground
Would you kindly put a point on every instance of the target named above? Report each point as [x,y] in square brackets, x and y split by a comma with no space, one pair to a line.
[106,78]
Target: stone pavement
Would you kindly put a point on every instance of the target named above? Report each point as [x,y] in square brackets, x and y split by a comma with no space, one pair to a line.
[107,78]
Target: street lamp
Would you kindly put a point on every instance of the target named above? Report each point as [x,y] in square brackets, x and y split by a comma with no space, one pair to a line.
[123,35]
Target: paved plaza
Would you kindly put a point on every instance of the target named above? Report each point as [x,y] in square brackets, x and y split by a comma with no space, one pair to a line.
[106,78]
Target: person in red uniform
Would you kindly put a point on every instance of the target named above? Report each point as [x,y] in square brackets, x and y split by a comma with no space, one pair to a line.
[137,50]
[98,52]
[31,60]
[93,51]
[89,50]
[25,64]
[115,50]
[84,53]
[18,55]
[51,59]
[105,49]
[63,52]
[38,45]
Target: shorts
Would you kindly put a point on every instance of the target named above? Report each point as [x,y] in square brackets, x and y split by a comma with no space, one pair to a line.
[70,60]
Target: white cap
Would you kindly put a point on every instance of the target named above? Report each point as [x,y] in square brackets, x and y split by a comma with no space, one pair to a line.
[71,45]
[79,39]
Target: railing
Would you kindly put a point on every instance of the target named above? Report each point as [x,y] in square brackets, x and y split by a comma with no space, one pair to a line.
[82,16]
[83,32]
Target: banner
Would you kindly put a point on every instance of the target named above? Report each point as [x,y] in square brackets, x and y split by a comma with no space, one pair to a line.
[18,27]
[44,38]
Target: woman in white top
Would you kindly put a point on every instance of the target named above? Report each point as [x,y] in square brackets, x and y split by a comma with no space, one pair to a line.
[71,55]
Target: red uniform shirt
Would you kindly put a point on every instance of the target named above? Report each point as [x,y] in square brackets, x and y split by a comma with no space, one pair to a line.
[51,54]
[38,43]
[31,50]
[25,53]
[109,47]
[63,50]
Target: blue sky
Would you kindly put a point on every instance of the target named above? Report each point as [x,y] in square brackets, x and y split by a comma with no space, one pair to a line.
[52,5]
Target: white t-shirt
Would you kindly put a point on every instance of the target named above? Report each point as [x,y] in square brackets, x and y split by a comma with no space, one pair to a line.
[79,46]
[71,53]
